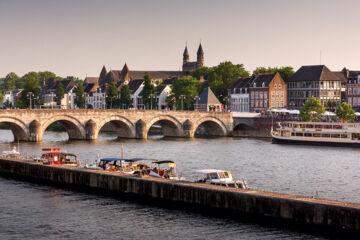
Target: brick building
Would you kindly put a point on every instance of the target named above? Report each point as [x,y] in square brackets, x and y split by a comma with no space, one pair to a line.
[267,91]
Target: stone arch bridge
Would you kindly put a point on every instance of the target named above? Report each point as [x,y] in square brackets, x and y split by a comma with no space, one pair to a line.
[85,124]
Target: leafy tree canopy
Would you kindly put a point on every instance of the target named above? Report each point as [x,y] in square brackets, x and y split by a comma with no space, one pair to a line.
[203,71]
[59,94]
[125,96]
[1,98]
[31,84]
[221,76]
[45,77]
[312,110]
[75,79]
[184,92]
[148,92]
[285,72]
[111,96]
[9,81]
[331,105]
[345,112]
[80,95]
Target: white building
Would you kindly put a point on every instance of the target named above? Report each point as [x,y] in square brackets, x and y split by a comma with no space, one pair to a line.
[238,95]
[10,97]
[162,91]
[136,87]
[95,96]
[48,94]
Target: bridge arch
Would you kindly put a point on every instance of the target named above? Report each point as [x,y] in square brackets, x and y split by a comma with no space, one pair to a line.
[17,127]
[124,127]
[209,127]
[74,128]
[171,127]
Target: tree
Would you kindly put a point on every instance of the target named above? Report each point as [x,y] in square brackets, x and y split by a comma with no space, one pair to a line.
[203,71]
[75,79]
[45,77]
[111,96]
[331,105]
[9,81]
[31,84]
[312,110]
[184,92]
[345,112]
[221,76]
[59,94]
[125,96]
[80,95]
[285,72]
[148,92]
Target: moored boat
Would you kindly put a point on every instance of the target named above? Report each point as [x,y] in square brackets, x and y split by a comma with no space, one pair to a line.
[317,133]
[165,169]
[221,178]
[54,156]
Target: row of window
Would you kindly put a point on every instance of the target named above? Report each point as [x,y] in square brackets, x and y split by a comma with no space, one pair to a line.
[354,101]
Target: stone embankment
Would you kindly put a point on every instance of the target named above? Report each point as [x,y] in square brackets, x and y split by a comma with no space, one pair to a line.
[245,203]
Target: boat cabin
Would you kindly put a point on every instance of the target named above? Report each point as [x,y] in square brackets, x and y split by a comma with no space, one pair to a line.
[129,165]
[55,156]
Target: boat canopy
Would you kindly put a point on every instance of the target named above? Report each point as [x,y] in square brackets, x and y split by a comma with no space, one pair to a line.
[58,153]
[206,171]
[164,161]
[121,159]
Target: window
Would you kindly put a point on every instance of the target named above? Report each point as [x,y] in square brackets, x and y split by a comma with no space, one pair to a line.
[272,94]
[279,86]
[274,85]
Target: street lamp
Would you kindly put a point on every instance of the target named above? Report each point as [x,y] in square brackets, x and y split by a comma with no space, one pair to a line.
[182,97]
[151,96]
[30,95]
[226,99]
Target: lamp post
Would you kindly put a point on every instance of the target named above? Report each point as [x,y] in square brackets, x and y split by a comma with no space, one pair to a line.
[226,99]
[30,95]
[182,97]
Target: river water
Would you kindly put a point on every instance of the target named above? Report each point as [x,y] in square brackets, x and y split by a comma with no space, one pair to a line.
[30,210]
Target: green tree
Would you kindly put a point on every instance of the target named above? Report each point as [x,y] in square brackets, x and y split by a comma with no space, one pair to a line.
[31,90]
[148,92]
[45,77]
[331,105]
[59,94]
[75,79]
[184,93]
[80,96]
[111,96]
[345,112]
[9,81]
[125,96]
[203,71]
[221,76]
[285,72]
[312,110]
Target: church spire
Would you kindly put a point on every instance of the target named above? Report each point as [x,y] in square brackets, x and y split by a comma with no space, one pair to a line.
[200,57]
[186,57]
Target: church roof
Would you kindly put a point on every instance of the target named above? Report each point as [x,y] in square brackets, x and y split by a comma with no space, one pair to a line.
[186,53]
[89,80]
[207,97]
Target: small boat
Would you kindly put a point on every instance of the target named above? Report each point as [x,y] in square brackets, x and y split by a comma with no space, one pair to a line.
[221,178]
[165,169]
[54,156]
[129,166]
[14,153]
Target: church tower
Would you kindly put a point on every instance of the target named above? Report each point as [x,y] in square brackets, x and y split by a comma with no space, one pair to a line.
[200,57]
[186,57]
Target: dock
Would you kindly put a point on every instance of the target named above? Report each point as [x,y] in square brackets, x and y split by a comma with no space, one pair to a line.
[314,212]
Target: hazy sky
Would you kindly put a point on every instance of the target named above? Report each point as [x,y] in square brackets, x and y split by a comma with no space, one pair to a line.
[73,37]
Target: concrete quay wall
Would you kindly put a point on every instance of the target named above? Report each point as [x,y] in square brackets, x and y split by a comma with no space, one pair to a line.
[295,209]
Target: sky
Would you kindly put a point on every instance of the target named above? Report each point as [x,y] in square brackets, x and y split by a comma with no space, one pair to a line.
[74,37]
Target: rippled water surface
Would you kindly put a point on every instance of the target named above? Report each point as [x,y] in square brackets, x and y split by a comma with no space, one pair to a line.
[36,211]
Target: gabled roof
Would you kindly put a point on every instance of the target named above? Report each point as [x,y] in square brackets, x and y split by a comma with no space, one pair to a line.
[261,80]
[160,88]
[240,83]
[207,97]
[135,84]
[314,73]
[52,86]
[91,87]
[89,80]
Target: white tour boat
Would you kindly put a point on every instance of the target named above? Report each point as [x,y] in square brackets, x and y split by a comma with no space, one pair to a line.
[220,177]
[317,133]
